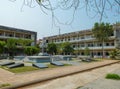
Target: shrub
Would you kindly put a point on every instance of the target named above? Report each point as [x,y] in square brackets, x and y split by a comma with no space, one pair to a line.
[112,76]
[115,54]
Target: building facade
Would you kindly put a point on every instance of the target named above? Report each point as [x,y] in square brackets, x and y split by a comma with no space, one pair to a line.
[9,32]
[82,39]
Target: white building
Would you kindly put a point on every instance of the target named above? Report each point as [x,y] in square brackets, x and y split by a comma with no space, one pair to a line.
[82,39]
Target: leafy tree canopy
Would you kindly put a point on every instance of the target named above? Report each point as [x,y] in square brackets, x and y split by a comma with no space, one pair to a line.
[102,31]
[67,48]
[52,48]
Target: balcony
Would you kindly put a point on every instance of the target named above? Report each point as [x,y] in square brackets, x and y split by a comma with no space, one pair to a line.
[96,48]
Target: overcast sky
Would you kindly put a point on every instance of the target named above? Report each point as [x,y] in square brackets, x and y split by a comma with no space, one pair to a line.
[35,20]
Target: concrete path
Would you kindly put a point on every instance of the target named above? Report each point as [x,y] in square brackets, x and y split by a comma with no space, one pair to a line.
[103,83]
[37,76]
[4,74]
[80,79]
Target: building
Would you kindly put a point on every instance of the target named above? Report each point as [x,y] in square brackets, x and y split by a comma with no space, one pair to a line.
[9,32]
[82,39]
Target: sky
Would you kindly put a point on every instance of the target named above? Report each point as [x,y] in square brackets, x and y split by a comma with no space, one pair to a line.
[34,19]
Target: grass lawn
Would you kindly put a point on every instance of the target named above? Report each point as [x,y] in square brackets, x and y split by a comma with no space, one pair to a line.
[29,68]
[20,69]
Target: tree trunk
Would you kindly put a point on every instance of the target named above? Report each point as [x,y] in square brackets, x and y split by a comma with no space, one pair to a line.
[103,49]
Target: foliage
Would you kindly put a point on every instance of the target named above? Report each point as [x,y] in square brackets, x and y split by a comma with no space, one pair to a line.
[23,69]
[2,44]
[66,48]
[59,48]
[87,51]
[11,46]
[30,50]
[102,32]
[77,51]
[115,54]
[4,85]
[52,48]
[24,42]
[113,76]
[11,43]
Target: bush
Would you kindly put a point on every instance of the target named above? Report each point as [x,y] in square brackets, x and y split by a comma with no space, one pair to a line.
[115,54]
[112,76]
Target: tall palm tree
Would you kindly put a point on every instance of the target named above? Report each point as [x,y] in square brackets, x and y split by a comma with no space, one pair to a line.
[11,46]
[102,32]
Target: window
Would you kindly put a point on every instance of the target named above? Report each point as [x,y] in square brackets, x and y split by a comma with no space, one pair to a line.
[112,44]
[107,54]
[82,37]
[82,53]
[73,46]
[99,53]
[107,44]
[99,44]
[82,45]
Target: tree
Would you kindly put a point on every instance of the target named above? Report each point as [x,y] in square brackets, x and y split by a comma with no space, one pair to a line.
[11,46]
[31,50]
[24,42]
[100,7]
[2,44]
[87,51]
[102,32]
[115,54]
[59,48]
[52,48]
[77,51]
[67,48]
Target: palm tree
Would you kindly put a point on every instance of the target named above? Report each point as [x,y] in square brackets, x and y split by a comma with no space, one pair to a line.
[11,46]
[102,32]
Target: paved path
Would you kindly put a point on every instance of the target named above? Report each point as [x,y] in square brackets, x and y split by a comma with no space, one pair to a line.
[4,74]
[103,83]
[81,79]
[37,76]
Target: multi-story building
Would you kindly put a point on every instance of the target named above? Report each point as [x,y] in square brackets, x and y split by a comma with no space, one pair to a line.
[82,39]
[9,32]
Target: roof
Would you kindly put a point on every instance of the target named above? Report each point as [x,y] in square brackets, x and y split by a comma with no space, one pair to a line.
[16,29]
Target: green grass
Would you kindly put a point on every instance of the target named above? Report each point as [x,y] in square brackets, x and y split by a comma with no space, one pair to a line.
[4,85]
[20,69]
[29,68]
[113,76]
